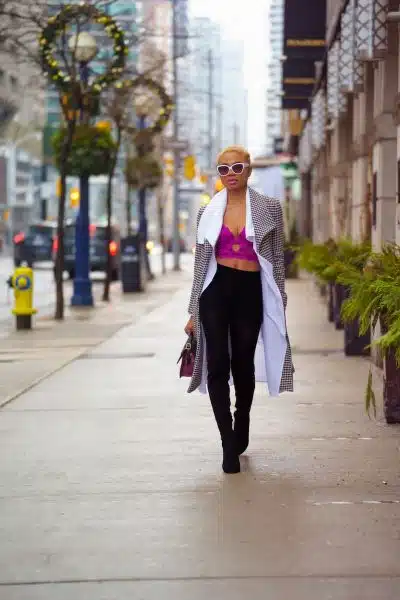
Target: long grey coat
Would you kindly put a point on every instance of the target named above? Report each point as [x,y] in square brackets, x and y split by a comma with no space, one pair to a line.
[269,239]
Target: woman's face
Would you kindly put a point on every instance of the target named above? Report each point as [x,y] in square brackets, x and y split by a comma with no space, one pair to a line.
[234,181]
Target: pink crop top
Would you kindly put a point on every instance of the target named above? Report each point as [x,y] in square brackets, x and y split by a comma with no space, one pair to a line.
[234,246]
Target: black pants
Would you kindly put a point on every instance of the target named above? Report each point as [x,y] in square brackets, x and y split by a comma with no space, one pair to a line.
[231,306]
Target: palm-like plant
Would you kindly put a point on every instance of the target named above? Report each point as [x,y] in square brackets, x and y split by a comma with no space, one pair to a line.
[375,297]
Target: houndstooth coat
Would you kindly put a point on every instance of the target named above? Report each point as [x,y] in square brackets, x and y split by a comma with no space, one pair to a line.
[264,218]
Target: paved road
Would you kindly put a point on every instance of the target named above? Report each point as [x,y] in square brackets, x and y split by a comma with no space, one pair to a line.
[44,284]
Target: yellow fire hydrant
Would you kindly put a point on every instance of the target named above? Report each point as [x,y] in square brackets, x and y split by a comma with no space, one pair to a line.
[22,284]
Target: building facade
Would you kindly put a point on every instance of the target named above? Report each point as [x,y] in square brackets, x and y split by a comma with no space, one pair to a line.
[21,121]
[274,91]
[349,145]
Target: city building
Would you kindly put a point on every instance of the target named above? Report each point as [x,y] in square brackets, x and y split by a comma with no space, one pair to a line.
[212,105]
[200,91]
[274,91]
[349,146]
[232,120]
[21,122]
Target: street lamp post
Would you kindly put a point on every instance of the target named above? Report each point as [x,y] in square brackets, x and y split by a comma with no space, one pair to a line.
[141,109]
[84,48]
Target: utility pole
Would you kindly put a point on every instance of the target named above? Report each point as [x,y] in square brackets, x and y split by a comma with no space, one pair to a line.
[219,127]
[175,136]
[210,62]
[235,134]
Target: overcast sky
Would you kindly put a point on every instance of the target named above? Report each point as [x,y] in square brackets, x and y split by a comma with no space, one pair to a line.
[247,21]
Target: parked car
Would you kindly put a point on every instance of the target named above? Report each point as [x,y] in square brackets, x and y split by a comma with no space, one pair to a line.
[98,249]
[34,244]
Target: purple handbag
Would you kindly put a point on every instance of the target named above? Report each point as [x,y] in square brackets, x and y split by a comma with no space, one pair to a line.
[187,357]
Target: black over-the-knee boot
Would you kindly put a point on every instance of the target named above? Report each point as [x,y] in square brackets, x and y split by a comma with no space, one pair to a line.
[244,386]
[218,387]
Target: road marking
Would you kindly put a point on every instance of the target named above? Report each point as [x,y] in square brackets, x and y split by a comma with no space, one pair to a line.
[348,502]
[326,439]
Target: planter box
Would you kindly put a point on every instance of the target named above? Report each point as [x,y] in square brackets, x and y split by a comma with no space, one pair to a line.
[331,313]
[355,344]
[391,389]
[339,295]
[391,384]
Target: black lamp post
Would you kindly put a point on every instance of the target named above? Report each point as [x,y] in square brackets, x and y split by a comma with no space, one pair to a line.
[84,48]
[140,107]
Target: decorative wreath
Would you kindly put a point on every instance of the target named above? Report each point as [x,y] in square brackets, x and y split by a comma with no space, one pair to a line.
[166,108]
[57,25]
[143,171]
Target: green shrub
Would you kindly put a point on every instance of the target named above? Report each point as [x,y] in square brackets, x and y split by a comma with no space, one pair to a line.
[143,171]
[91,152]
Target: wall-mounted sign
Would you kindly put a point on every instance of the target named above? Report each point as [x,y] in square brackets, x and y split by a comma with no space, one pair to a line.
[304,29]
[299,102]
[304,45]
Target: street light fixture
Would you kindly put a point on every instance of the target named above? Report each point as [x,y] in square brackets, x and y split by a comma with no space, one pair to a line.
[83,46]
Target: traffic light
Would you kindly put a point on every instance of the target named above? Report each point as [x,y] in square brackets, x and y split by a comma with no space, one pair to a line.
[169,166]
[74,198]
[104,125]
[189,167]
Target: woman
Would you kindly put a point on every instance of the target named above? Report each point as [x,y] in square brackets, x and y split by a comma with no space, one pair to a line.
[238,301]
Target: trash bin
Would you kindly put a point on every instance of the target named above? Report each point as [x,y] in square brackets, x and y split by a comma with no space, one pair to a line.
[133,272]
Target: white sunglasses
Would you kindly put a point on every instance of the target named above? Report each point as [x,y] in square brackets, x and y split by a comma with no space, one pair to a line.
[237,169]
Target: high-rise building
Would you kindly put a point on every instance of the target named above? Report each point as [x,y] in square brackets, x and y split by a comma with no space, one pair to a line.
[233,117]
[274,91]
[200,91]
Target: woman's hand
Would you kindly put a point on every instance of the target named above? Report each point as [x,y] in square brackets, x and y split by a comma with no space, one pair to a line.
[189,329]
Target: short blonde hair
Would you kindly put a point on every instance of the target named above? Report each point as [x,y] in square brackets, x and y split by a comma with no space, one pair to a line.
[239,149]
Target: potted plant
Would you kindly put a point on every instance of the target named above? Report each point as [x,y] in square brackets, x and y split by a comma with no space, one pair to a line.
[143,171]
[92,149]
[375,299]
[331,262]
[348,256]
[291,236]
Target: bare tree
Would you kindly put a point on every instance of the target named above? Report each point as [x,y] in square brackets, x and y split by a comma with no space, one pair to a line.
[116,107]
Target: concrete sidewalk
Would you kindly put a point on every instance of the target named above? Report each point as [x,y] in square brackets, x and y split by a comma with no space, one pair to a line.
[111,482]
[27,357]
